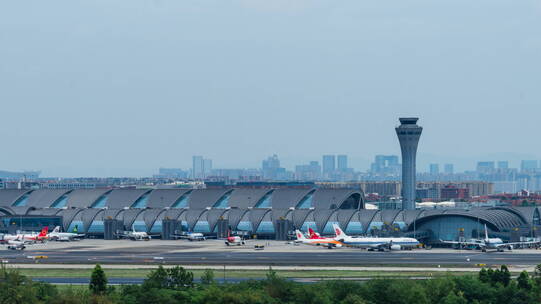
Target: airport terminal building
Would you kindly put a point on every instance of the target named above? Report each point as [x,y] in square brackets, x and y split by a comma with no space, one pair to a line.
[260,212]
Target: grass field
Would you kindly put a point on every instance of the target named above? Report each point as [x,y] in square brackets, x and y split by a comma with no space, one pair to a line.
[141,273]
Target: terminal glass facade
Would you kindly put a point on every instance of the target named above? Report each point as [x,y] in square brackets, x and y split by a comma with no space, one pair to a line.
[141,202]
[182,202]
[61,202]
[265,201]
[223,202]
[450,228]
[22,200]
[306,202]
[354,228]
[28,223]
[100,202]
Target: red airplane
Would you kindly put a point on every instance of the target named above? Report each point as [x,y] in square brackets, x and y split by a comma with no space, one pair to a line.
[314,235]
[233,240]
[41,237]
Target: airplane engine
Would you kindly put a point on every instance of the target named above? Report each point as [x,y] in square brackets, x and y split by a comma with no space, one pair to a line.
[396,247]
[510,247]
[338,245]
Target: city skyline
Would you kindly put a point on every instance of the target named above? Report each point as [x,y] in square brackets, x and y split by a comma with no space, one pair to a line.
[423,164]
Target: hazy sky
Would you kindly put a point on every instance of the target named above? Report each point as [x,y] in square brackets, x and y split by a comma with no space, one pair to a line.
[122,87]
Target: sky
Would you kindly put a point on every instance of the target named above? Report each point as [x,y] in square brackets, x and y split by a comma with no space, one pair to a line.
[123,87]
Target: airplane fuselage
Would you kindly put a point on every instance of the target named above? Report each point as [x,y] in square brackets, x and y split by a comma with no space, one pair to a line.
[369,242]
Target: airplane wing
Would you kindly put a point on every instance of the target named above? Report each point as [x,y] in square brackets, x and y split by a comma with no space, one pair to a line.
[123,235]
[517,243]
[463,243]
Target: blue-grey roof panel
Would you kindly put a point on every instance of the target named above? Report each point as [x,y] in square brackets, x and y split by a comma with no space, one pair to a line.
[162,198]
[10,196]
[120,198]
[84,198]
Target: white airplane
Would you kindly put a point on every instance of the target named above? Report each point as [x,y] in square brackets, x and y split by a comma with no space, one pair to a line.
[16,244]
[136,235]
[489,243]
[191,236]
[56,235]
[371,243]
[194,236]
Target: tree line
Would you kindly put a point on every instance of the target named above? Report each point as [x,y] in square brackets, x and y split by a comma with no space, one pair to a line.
[177,285]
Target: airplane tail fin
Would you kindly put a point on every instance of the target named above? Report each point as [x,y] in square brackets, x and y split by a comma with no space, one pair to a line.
[339,233]
[44,231]
[486,232]
[312,233]
[300,236]
[56,229]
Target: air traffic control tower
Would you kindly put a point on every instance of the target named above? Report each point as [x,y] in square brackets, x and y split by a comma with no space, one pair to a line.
[408,134]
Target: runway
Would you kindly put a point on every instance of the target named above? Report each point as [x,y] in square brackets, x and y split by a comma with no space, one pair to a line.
[213,253]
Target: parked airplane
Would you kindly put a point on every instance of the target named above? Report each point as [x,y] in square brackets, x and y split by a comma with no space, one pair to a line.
[41,237]
[16,244]
[372,243]
[489,243]
[329,242]
[136,235]
[194,236]
[314,235]
[27,238]
[56,235]
[233,240]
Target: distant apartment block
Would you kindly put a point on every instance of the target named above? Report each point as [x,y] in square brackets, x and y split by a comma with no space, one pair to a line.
[452,192]
[434,169]
[435,190]
[529,166]
[342,162]
[486,167]
[329,165]
[28,175]
[201,167]
[503,165]
[449,169]
[386,164]
[312,171]
[171,173]
[271,169]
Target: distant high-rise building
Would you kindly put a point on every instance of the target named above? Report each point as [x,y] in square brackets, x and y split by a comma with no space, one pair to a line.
[503,165]
[486,167]
[528,165]
[312,171]
[408,134]
[271,168]
[171,173]
[329,164]
[385,164]
[207,167]
[342,162]
[201,167]
[449,169]
[434,169]
[198,166]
